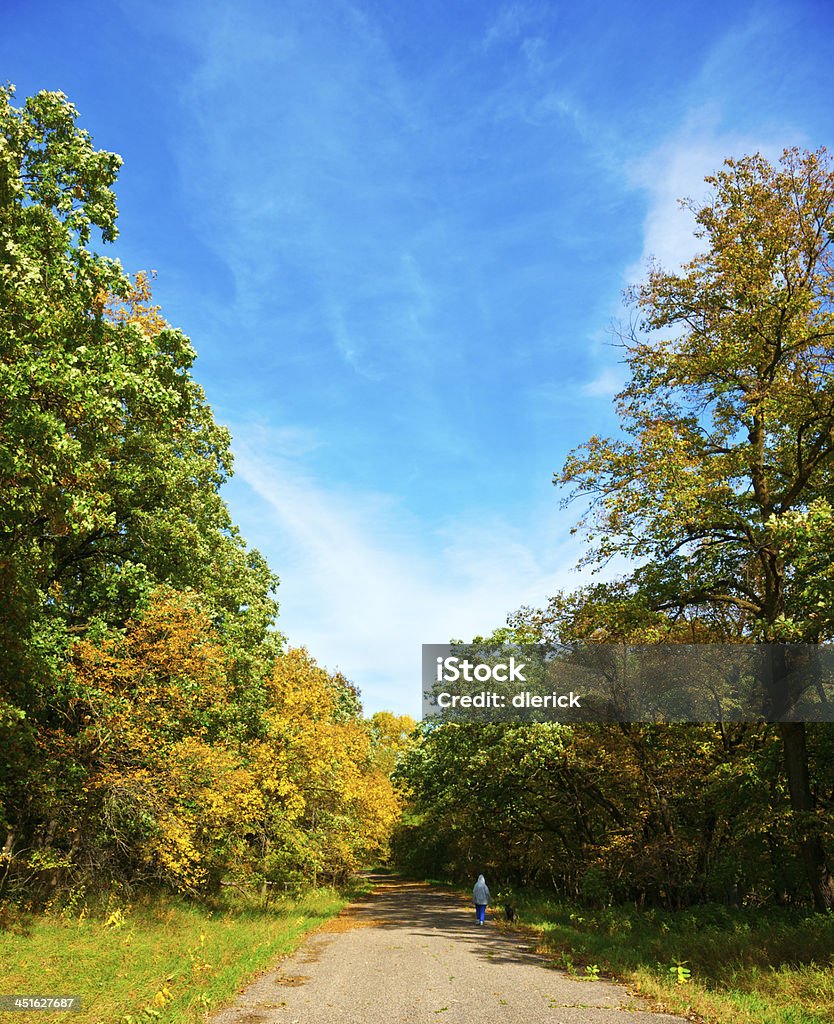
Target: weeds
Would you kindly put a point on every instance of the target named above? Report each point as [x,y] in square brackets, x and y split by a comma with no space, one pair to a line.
[765,966]
[160,961]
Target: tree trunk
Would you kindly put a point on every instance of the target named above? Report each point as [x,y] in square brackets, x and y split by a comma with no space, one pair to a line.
[802,802]
[782,694]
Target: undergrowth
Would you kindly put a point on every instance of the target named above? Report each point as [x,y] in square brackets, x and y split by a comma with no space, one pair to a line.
[764,966]
[158,960]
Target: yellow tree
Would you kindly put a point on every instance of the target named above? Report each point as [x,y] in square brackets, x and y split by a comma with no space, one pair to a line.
[169,795]
[331,804]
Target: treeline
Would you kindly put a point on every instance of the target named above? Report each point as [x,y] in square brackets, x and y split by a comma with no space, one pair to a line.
[718,494]
[657,815]
[154,728]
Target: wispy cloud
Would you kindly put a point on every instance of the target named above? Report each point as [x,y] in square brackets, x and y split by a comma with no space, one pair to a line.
[428,215]
[303,174]
[606,384]
[709,132]
[511,22]
[365,583]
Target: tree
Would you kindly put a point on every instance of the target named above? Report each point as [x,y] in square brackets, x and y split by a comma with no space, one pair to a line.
[166,794]
[110,458]
[597,813]
[152,727]
[392,735]
[111,461]
[722,486]
[330,803]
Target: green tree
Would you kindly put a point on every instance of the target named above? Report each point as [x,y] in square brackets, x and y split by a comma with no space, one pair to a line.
[722,484]
[599,813]
[110,458]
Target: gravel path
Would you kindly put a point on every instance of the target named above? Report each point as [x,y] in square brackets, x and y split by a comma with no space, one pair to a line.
[410,954]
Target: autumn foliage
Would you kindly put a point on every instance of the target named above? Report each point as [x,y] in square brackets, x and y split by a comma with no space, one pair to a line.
[163,781]
[154,727]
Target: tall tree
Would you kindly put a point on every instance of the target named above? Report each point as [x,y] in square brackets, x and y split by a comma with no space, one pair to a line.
[722,484]
[111,461]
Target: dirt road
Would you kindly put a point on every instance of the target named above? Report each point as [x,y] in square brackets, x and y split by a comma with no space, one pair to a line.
[408,955]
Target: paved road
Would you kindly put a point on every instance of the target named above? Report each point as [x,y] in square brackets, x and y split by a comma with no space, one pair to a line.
[408,955]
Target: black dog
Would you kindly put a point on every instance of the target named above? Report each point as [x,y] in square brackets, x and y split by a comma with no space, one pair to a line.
[509,910]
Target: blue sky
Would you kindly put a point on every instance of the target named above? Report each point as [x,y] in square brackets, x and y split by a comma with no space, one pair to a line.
[398,236]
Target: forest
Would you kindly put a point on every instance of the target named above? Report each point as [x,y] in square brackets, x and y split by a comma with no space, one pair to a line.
[158,732]
[156,729]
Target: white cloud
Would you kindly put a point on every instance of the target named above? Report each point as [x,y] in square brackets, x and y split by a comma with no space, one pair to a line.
[606,384]
[671,171]
[363,584]
[675,170]
[512,22]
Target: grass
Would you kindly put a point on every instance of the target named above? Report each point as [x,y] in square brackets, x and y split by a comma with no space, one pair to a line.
[160,961]
[745,966]
[170,961]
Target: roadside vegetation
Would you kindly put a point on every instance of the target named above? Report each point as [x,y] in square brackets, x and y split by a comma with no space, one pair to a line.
[159,959]
[729,966]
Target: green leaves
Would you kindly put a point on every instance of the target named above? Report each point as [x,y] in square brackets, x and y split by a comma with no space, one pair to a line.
[729,414]
[49,168]
[110,458]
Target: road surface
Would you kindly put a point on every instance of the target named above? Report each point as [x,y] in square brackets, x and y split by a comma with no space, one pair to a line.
[409,954]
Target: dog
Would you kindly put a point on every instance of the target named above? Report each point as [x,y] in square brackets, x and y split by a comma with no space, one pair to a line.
[510,911]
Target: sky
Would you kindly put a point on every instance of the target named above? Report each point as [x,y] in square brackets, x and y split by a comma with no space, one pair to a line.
[398,236]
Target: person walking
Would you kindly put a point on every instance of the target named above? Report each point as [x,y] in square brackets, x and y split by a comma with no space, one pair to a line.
[480,897]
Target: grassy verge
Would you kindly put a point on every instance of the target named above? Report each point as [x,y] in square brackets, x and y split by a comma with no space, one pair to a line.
[725,966]
[161,961]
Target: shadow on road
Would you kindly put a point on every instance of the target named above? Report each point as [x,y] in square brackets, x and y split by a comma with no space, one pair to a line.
[422,910]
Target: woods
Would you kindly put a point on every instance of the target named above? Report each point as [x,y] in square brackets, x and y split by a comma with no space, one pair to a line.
[659,816]
[155,728]
[158,731]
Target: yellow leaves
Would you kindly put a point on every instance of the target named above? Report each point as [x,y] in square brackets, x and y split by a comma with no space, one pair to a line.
[299,689]
[162,997]
[160,696]
[193,799]
[203,799]
[392,736]
[116,920]
[319,762]
[177,853]
[165,676]
[137,307]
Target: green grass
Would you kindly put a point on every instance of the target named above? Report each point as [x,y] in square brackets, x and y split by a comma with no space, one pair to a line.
[161,961]
[747,967]
[171,961]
